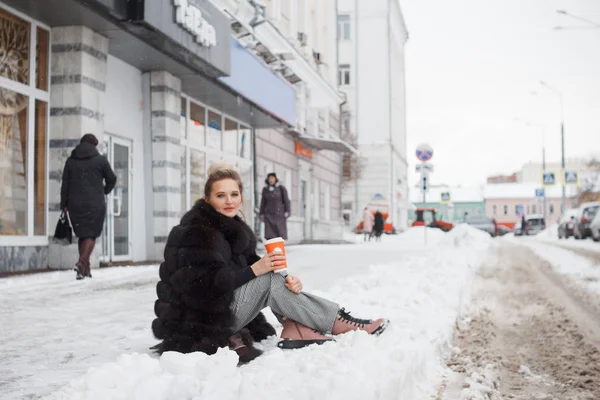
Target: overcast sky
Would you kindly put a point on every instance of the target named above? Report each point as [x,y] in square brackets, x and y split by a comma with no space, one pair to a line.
[471,67]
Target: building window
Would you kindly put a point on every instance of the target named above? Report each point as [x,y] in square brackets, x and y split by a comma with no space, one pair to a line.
[316,200]
[207,137]
[495,210]
[230,137]
[214,129]
[287,182]
[344,75]
[23,126]
[327,201]
[505,210]
[533,209]
[343,27]
[551,209]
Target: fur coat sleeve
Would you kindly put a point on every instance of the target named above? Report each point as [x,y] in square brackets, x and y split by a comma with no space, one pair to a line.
[197,282]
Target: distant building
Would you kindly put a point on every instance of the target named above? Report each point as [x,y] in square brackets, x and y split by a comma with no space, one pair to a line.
[457,201]
[506,202]
[502,178]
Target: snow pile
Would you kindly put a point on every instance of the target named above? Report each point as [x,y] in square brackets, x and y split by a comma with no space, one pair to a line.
[421,295]
[464,235]
[417,234]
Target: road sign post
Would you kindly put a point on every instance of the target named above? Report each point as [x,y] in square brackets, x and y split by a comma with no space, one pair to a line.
[424,153]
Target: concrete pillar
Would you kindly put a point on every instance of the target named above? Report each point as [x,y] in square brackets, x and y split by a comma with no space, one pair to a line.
[77,97]
[164,113]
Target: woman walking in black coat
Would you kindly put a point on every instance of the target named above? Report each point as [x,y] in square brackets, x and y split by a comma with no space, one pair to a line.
[87,178]
[213,286]
[274,208]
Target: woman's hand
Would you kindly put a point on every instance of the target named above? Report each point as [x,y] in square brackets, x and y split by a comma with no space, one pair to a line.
[293,283]
[269,263]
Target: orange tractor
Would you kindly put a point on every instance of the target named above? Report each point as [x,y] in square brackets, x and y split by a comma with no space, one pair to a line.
[428,216]
[379,204]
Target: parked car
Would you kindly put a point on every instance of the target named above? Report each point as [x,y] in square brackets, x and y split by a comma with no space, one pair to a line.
[518,231]
[595,228]
[534,224]
[483,223]
[585,215]
[566,224]
[503,230]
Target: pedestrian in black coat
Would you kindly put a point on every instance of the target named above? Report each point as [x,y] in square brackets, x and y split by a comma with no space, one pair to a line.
[87,178]
[274,208]
[378,226]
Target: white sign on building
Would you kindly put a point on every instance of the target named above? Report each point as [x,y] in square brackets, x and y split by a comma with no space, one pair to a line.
[190,18]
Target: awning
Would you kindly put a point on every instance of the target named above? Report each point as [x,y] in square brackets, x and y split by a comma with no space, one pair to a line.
[328,144]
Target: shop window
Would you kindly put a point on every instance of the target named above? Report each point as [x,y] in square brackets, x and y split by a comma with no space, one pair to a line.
[230,137]
[197,174]
[245,138]
[183,119]
[14,48]
[184,181]
[343,74]
[13,163]
[41,67]
[39,168]
[247,176]
[343,25]
[214,128]
[197,125]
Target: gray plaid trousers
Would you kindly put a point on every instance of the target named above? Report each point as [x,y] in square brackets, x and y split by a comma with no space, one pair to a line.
[269,291]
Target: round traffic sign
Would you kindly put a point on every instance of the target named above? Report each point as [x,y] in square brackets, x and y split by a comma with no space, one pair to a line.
[424,152]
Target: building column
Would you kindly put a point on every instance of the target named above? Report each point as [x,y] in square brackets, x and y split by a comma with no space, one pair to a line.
[164,112]
[77,95]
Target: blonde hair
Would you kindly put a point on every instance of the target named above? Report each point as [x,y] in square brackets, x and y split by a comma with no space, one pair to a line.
[219,171]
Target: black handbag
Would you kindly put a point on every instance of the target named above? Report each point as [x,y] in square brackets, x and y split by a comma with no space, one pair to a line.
[63,232]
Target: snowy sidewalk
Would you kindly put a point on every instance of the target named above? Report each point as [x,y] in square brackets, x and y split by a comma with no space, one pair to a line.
[95,334]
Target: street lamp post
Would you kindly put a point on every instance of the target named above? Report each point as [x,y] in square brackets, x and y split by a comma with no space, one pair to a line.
[542,131]
[592,24]
[563,205]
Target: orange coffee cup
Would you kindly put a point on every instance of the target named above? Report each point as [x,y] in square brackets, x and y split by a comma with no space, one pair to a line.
[277,245]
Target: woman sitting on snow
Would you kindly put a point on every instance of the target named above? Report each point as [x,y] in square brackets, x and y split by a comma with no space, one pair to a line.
[213,285]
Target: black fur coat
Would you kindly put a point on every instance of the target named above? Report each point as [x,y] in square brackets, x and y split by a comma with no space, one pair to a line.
[197,283]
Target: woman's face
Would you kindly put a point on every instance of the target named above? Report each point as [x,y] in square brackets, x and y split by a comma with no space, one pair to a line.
[225,197]
[272,180]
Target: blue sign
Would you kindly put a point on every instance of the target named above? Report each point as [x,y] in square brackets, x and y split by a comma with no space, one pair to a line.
[539,192]
[571,178]
[549,179]
[520,210]
[445,197]
[252,79]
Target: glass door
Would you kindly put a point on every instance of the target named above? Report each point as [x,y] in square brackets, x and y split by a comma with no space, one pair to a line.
[116,239]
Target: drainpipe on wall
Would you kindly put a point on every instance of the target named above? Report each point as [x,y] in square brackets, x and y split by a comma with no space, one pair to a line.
[356,108]
[392,198]
[254,167]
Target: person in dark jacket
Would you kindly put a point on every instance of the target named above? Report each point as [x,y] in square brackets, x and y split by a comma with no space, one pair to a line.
[274,208]
[87,178]
[378,226]
[213,286]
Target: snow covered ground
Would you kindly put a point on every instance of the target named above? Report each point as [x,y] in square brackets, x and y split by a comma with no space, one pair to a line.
[583,271]
[89,340]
